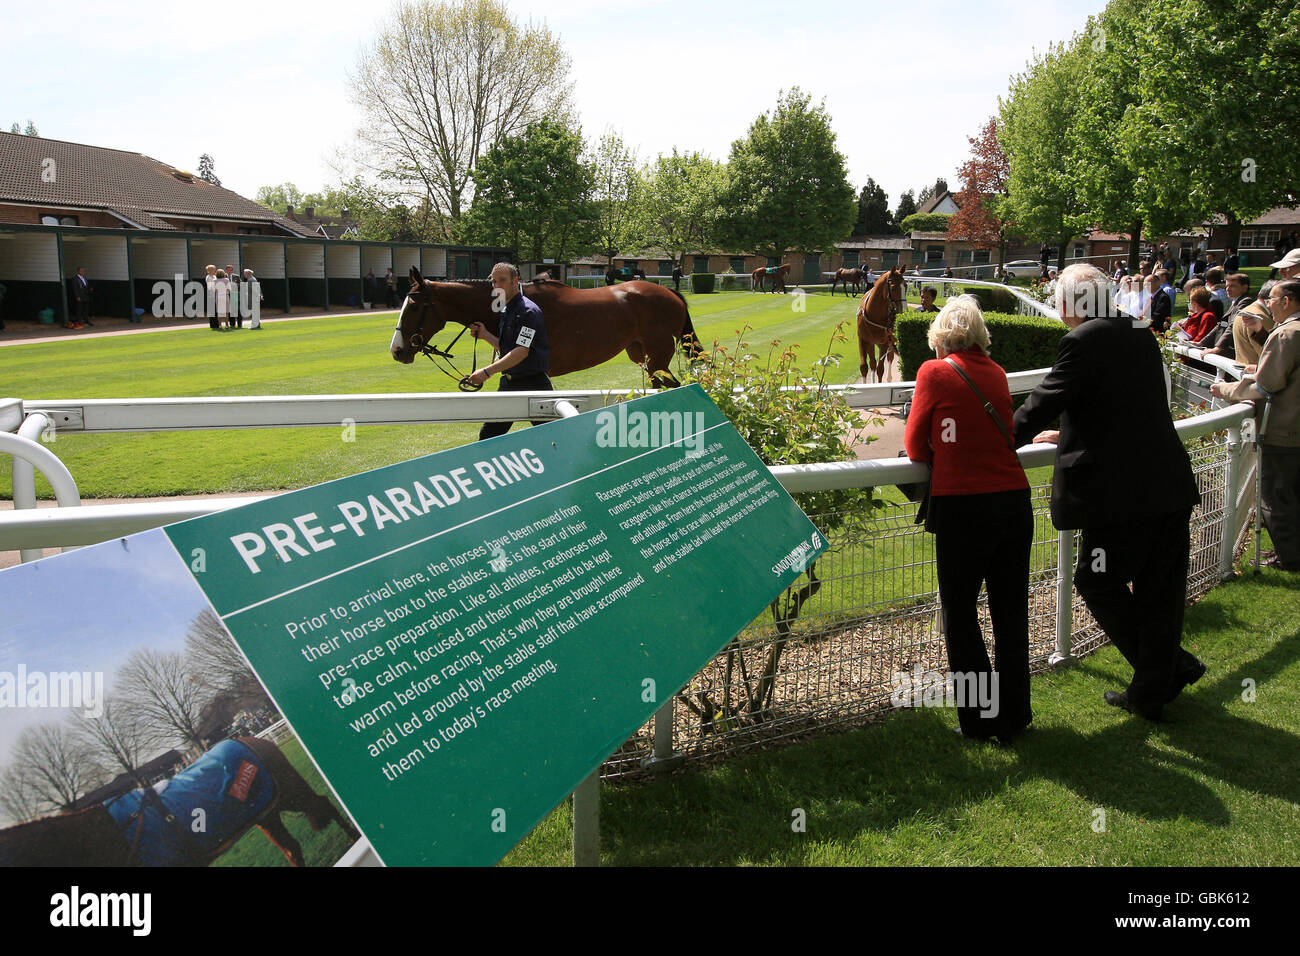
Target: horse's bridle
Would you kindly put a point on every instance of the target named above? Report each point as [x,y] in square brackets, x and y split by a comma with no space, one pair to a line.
[434,353]
[895,306]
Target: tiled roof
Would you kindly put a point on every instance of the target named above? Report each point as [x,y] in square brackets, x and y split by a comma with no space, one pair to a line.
[931,204]
[1278,216]
[131,185]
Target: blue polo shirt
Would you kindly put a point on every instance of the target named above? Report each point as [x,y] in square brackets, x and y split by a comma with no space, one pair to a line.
[522,325]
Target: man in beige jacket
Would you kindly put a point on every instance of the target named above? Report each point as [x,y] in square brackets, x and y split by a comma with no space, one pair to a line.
[1277,380]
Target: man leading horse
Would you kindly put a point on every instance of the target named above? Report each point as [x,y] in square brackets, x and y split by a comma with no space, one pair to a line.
[523,347]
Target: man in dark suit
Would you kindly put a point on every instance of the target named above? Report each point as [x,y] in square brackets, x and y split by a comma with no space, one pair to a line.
[81,290]
[1233,262]
[1123,477]
[1162,303]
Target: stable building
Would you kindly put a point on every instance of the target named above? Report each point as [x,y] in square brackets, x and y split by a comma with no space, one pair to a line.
[132,221]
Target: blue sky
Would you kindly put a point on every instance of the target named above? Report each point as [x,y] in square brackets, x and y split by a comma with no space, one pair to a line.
[263,88]
[88,609]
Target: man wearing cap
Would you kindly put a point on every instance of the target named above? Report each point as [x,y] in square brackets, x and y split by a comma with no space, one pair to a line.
[1288,267]
[1277,381]
[523,348]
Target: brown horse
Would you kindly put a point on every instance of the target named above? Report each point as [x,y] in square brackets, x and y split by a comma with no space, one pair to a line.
[585,326]
[876,314]
[778,277]
[91,837]
[847,276]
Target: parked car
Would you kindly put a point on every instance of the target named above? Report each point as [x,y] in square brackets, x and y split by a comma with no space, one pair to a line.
[1025,268]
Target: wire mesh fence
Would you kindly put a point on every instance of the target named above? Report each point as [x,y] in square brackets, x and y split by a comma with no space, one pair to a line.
[875,614]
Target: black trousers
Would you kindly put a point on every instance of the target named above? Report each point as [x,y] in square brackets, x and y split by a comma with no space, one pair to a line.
[1279,480]
[985,539]
[1133,578]
[539,382]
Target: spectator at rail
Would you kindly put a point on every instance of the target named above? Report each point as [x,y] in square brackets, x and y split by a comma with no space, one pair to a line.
[1287,266]
[1161,302]
[1122,478]
[1215,305]
[947,272]
[1201,319]
[1170,264]
[1277,380]
[979,512]
[928,295]
[1232,262]
[1215,281]
[372,290]
[390,288]
[1221,342]
[209,281]
[677,277]
[1125,296]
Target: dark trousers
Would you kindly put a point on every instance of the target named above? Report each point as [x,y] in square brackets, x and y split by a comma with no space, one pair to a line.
[1145,621]
[83,310]
[539,382]
[1279,507]
[985,539]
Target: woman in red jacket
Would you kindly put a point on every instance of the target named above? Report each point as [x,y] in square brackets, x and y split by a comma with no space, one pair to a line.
[980,515]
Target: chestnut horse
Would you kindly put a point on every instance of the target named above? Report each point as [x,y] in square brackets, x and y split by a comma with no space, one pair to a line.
[846,276]
[778,277]
[876,314]
[91,837]
[585,326]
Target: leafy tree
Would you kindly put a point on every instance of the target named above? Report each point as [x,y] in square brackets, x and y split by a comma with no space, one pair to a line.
[906,206]
[616,193]
[205,170]
[1230,152]
[787,186]
[280,198]
[982,218]
[1113,194]
[533,193]
[441,84]
[15,128]
[30,130]
[873,212]
[1045,197]
[682,192]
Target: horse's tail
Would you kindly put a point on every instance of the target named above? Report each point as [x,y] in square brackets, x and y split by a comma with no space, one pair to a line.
[689,340]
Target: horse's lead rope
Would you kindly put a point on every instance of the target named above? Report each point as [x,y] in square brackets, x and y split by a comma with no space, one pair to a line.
[463,383]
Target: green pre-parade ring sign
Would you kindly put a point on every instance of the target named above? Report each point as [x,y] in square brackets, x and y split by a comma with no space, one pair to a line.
[460,639]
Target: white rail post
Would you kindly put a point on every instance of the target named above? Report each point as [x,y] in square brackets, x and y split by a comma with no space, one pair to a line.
[27,452]
[664,758]
[1229,522]
[1064,596]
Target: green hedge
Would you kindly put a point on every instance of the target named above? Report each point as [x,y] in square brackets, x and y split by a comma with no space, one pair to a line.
[1020,342]
[993,300]
[702,282]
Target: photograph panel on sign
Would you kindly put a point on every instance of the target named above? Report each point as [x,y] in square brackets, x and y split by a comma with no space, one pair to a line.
[132,731]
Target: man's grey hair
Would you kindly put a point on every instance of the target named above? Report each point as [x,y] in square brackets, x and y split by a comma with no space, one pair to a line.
[509,267]
[1085,291]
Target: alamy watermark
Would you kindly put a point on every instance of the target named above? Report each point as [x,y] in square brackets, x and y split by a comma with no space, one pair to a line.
[197,300]
[620,428]
[81,690]
[922,688]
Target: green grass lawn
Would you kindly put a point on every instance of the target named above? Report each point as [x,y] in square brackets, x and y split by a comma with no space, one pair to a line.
[1218,784]
[319,357]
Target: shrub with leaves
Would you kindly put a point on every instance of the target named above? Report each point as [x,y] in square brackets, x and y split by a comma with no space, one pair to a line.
[789,417]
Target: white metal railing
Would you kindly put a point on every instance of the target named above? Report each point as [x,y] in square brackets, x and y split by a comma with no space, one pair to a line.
[30,529]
